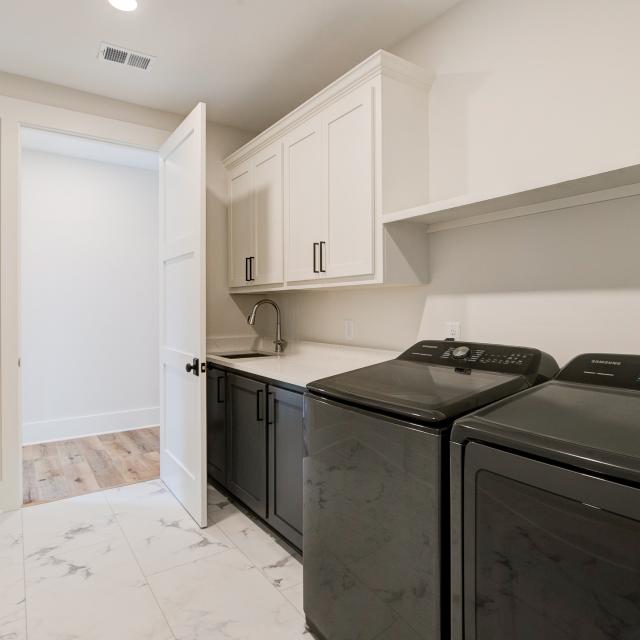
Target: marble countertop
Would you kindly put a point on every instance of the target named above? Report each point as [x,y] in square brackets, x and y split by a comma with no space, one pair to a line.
[301,363]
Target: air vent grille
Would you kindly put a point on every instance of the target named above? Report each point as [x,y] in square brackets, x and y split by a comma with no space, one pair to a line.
[136,60]
[126,57]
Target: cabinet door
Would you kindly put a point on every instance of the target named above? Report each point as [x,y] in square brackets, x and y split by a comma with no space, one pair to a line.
[267,207]
[216,426]
[241,229]
[305,196]
[349,133]
[247,446]
[285,463]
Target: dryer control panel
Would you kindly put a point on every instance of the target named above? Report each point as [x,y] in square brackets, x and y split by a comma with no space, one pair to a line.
[605,369]
[486,357]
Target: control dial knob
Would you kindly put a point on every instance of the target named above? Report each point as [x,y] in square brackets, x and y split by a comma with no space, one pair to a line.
[461,352]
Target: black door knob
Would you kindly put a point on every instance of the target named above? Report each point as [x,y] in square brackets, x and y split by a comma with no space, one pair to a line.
[193,367]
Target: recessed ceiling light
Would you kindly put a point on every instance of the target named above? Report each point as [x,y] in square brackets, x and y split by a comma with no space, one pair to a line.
[124,5]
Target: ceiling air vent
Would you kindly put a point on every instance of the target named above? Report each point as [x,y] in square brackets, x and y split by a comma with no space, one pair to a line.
[126,57]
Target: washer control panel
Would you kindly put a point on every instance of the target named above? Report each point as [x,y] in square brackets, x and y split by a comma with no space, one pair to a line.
[473,355]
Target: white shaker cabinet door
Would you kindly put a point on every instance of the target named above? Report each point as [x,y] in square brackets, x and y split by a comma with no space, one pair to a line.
[305,200]
[267,207]
[242,238]
[349,133]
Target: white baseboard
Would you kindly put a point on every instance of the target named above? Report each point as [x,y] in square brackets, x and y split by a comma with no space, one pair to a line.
[82,426]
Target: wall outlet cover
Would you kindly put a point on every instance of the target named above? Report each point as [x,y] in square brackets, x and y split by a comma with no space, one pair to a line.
[453,330]
[348,329]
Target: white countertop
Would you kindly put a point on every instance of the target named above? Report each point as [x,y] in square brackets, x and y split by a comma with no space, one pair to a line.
[301,363]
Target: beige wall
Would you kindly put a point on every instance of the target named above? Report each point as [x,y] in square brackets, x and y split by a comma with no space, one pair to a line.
[526,92]
[224,315]
[57,96]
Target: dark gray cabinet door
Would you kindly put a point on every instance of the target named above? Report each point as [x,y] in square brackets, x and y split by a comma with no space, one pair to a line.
[216,426]
[247,442]
[285,463]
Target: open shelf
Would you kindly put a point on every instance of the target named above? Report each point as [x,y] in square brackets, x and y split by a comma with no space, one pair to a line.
[475,209]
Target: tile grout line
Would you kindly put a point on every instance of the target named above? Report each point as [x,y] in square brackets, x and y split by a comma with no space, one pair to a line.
[264,575]
[226,537]
[182,564]
[142,573]
[256,527]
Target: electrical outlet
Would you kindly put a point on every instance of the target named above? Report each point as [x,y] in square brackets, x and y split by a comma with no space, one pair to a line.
[348,329]
[453,331]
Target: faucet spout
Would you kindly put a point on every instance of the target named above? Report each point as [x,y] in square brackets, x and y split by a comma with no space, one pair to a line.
[279,342]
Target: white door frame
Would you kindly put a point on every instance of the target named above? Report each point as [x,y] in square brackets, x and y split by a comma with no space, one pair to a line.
[15,114]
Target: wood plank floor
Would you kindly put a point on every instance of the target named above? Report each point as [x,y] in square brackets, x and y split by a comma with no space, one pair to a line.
[57,470]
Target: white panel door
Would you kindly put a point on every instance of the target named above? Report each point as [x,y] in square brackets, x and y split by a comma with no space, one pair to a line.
[240,218]
[305,204]
[268,215]
[349,133]
[183,314]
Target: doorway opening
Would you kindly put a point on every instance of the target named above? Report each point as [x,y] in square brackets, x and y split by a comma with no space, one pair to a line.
[89,243]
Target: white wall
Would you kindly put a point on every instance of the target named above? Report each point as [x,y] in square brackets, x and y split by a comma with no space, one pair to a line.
[526,92]
[89,236]
[224,315]
[529,92]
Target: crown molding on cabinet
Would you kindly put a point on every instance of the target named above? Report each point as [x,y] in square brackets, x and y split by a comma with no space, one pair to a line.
[380,63]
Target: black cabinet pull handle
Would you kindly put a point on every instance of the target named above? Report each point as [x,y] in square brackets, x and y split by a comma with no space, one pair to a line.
[322,251]
[251,263]
[271,408]
[259,417]
[220,397]
[315,257]
[246,269]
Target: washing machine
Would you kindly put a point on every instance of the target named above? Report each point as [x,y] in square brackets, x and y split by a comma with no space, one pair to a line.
[376,484]
[545,509]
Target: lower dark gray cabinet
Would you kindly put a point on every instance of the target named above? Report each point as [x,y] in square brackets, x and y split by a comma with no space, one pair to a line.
[285,463]
[255,447]
[216,426]
[247,441]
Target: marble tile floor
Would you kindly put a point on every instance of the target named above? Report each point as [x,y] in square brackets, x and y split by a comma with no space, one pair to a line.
[129,563]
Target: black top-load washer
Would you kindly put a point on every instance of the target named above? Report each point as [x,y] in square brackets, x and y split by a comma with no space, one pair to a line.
[376,489]
[545,508]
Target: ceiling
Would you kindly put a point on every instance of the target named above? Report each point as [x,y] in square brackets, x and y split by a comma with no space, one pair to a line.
[251,61]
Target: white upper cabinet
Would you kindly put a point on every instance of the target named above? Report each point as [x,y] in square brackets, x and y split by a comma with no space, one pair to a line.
[321,179]
[242,232]
[349,133]
[267,203]
[305,201]
[255,220]
[328,186]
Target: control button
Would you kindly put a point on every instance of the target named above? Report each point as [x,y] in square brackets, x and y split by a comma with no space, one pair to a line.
[461,352]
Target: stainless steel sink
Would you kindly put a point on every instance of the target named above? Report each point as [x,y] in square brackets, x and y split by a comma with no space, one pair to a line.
[248,354]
